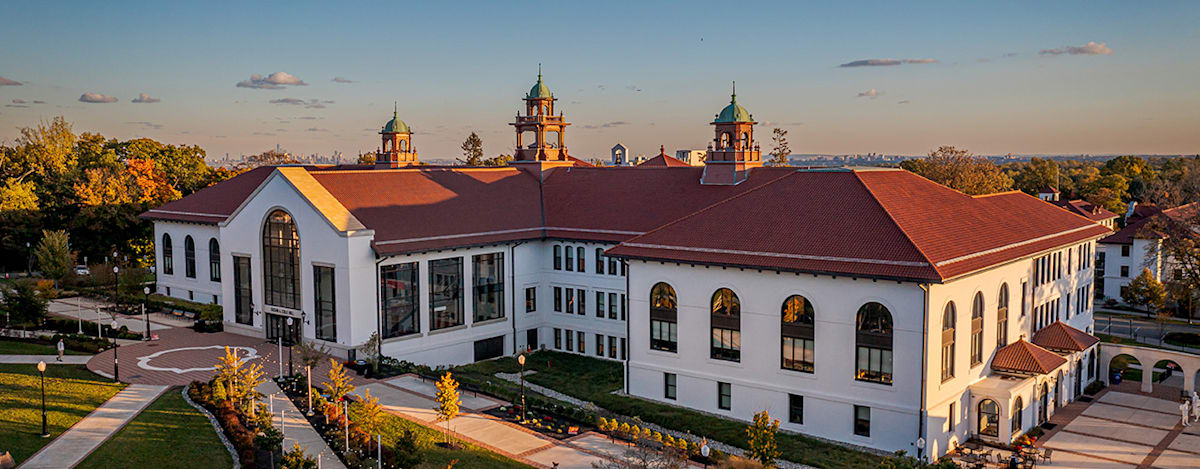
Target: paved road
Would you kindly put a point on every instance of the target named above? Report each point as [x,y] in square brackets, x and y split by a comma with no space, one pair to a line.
[90,311]
[1124,326]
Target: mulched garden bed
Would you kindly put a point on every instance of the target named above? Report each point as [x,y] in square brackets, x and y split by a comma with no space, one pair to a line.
[557,427]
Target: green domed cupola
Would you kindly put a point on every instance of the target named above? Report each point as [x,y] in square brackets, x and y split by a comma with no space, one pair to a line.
[734,112]
[539,89]
[395,126]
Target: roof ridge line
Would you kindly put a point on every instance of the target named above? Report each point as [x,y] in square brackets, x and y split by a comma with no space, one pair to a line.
[907,236]
[705,208]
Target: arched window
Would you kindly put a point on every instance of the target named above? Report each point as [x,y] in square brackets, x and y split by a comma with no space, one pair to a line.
[1091,364]
[581,255]
[281,261]
[725,322]
[797,334]
[189,257]
[1042,413]
[977,330]
[664,315]
[745,141]
[949,319]
[168,255]
[989,418]
[725,138]
[214,260]
[1002,316]
[1017,415]
[874,344]
[404,145]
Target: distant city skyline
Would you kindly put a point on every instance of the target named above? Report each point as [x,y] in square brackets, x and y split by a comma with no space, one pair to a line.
[897,79]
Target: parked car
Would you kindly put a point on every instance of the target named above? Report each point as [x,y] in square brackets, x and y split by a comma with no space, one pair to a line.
[82,270]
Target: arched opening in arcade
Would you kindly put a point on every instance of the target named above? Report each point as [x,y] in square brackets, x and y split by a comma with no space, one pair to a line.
[1169,374]
[1125,370]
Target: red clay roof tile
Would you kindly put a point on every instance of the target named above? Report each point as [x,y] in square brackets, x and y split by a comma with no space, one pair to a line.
[1059,336]
[1024,357]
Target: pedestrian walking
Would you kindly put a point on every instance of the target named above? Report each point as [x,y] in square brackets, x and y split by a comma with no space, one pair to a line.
[60,347]
[1183,409]
[1195,406]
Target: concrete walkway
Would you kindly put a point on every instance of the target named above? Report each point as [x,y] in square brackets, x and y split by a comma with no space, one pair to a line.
[402,397]
[1122,429]
[297,430]
[88,434]
[49,359]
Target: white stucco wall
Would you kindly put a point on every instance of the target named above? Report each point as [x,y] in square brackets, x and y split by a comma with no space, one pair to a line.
[1135,261]
[200,289]
[758,381]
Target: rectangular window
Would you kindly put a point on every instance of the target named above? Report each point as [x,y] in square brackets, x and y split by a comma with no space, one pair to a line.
[445,293]
[798,354]
[570,264]
[664,335]
[726,344]
[582,339]
[724,396]
[1125,251]
[214,261]
[570,300]
[600,345]
[558,299]
[950,419]
[669,386]
[530,299]
[1124,271]
[325,308]
[795,409]
[557,339]
[612,305]
[489,348]
[581,295]
[622,268]
[488,270]
[600,304]
[612,347]
[1024,291]
[398,286]
[600,260]
[874,364]
[623,349]
[862,420]
[581,255]
[557,257]
[570,341]
[242,303]
[622,306]
[612,266]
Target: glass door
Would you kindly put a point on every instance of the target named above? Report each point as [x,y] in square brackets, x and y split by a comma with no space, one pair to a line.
[277,327]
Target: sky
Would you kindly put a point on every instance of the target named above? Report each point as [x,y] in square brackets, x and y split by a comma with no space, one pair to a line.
[1064,77]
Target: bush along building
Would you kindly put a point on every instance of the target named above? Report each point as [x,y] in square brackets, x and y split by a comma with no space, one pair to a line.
[867,305]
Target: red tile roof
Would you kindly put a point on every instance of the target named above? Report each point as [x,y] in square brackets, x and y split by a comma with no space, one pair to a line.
[1026,358]
[212,204]
[662,160]
[874,223]
[1059,336]
[1143,213]
[1086,209]
[879,223]
[1048,190]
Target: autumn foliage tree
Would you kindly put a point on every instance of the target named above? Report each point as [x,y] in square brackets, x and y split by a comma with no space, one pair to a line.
[448,402]
[960,170]
[1145,290]
[760,437]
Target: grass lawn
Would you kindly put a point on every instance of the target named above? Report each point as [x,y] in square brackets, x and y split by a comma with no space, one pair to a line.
[437,457]
[71,393]
[594,380]
[169,422]
[21,347]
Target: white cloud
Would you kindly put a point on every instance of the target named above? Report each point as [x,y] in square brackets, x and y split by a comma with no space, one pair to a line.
[871,93]
[149,125]
[96,98]
[342,80]
[310,104]
[1091,48]
[18,101]
[885,62]
[7,82]
[145,98]
[273,81]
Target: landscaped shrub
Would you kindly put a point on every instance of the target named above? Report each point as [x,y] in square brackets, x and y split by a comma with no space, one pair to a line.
[405,452]
[295,459]
[1093,388]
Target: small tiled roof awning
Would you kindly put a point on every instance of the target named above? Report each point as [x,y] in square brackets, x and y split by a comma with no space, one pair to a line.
[1026,358]
[1059,336]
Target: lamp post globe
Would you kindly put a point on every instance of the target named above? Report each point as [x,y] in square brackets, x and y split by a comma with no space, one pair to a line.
[41,367]
[145,299]
[116,347]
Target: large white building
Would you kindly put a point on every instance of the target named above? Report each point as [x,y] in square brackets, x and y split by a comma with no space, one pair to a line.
[867,306]
[1135,247]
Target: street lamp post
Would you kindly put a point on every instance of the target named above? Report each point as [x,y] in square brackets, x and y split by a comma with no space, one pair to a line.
[116,347]
[29,265]
[145,299]
[289,334]
[521,361]
[41,367]
[116,286]
[308,373]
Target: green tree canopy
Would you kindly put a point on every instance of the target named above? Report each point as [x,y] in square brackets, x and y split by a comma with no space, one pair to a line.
[960,170]
[54,255]
[472,149]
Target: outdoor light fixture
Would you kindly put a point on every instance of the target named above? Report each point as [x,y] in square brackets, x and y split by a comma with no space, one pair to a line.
[41,367]
[521,361]
[116,347]
[146,299]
